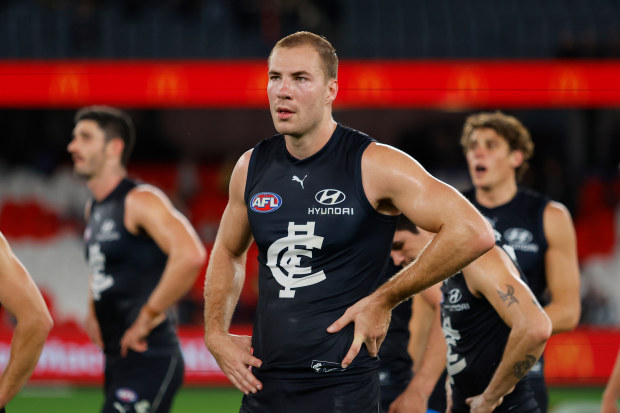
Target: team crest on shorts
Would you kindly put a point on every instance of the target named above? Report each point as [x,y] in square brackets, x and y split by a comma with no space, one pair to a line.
[320,366]
[264,202]
[126,395]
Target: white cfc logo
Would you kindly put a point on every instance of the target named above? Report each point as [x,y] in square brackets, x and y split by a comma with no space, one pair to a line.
[99,281]
[284,258]
[454,364]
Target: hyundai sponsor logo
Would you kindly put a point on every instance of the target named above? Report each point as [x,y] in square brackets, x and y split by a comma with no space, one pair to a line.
[518,236]
[330,197]
[454,296]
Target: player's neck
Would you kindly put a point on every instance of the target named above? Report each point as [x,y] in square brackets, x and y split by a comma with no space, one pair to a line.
[310,143]
[103,184]
[496,195]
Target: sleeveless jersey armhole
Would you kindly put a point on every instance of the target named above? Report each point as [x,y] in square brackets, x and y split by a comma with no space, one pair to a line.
[359,185]
[250,175]
[544,202]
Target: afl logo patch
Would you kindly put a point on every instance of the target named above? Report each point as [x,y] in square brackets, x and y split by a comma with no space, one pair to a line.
[265,202]
[330,197]
[126,395]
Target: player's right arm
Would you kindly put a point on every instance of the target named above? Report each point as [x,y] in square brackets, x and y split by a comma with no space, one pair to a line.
[561,268]
[21,297]
[91,324]
[495,277]
[223,283]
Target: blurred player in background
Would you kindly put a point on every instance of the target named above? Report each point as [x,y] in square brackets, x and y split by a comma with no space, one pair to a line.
[143,255]
[321,202]
[21,297]
[497,148]
[494,329]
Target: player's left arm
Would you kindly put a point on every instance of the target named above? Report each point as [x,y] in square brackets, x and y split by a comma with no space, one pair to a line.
[21,297]
[394,182]
[495,277]
[148,209]
[561,268]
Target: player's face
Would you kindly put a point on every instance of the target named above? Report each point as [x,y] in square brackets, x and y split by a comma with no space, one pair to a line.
[490,160]
[407,246]
[299,94]
[87,148]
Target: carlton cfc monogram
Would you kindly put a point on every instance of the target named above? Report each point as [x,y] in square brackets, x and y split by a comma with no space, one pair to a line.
[284,258]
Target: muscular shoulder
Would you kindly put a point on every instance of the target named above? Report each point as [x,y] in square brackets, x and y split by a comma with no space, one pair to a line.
[239,175]
[387,172]
[145,196]
[243,162]
[557,221]
[379,154]
[4,247]
[556,211]
[145,203]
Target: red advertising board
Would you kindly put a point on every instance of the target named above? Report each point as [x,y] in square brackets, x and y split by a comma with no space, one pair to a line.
[582,357]
[445,84]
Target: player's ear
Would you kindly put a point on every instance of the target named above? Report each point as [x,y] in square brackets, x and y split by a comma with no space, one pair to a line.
[115,147]
[332,90]
[516,158]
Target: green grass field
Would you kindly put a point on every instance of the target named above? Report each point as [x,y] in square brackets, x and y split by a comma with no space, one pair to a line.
[226,400]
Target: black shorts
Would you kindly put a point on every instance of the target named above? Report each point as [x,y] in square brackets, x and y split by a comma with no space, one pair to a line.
[142,383]
[352,393]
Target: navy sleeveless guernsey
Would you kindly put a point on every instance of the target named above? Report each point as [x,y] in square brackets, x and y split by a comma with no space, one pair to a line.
[125,269]
[520,223]
[322,247]
[476,337]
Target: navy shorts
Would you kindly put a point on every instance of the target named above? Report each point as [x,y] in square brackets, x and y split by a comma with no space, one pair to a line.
[142,383]
[352,393]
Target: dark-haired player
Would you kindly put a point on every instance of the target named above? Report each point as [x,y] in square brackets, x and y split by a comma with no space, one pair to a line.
[143,256]
[494,330]
[401,390]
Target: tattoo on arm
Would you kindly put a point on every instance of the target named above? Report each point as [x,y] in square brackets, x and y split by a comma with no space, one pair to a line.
[521,368]
[508,295]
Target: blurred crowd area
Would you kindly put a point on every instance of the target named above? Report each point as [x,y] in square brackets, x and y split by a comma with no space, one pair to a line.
[190,155]
[42,29]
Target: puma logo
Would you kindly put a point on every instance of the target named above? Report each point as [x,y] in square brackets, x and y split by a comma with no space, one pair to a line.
[301,181]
